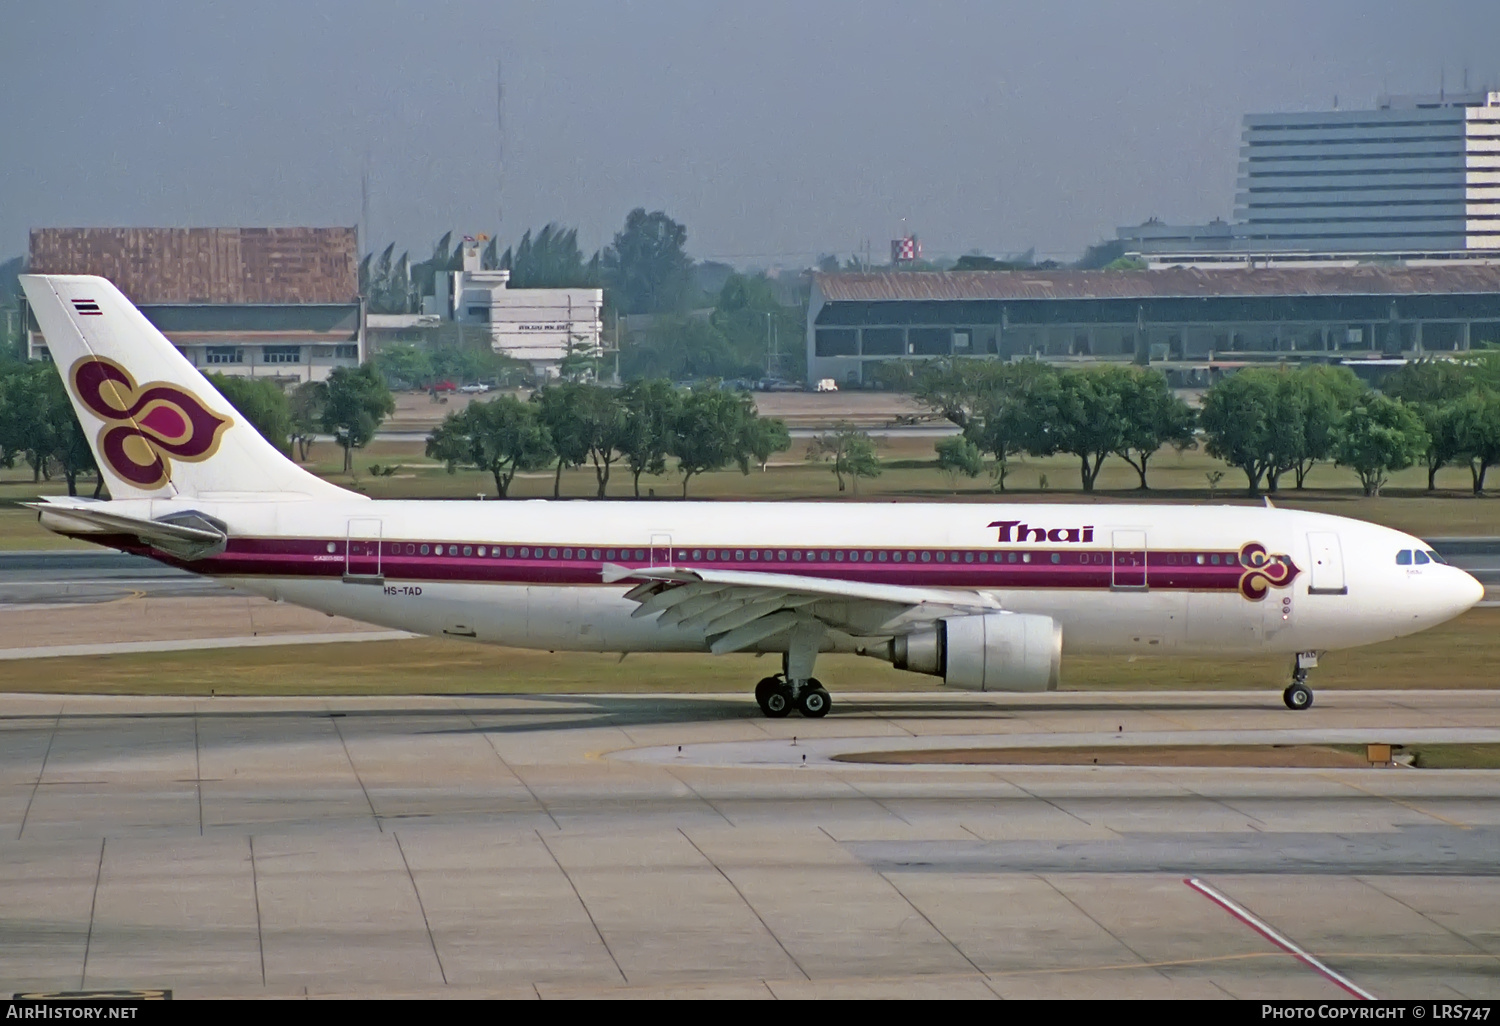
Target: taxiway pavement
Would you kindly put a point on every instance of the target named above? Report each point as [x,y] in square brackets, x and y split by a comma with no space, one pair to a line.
[558,846]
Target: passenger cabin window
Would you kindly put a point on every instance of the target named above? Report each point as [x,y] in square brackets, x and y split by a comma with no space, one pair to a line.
[1403,558]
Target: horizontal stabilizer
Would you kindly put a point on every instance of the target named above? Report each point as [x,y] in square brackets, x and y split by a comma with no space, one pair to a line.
[187,535]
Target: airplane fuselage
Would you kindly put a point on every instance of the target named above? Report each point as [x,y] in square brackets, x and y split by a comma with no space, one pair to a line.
[1121,579]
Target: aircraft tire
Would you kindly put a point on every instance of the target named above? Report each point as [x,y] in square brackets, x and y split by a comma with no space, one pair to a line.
[763,691]
[814,702]
[1297,696]
[778,703]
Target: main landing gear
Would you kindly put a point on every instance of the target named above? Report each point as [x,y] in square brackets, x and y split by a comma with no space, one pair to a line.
[795,686]
[777,698]
[1298,695]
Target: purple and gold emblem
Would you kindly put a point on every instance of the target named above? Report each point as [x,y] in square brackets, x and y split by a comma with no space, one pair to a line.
[146,426]
[1264,571]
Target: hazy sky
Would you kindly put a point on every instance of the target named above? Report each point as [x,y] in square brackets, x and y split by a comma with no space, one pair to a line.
[774,129]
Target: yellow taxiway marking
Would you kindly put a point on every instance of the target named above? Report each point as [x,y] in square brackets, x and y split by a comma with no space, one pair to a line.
[1398,801]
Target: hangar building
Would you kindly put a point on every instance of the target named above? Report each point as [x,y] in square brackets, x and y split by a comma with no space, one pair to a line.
[1188,320]
[280,303]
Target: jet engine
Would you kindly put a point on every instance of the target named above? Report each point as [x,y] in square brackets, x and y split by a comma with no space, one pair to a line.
[992,652]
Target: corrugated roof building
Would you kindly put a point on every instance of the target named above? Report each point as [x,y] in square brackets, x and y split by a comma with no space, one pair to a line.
[281,303]
[1191,320]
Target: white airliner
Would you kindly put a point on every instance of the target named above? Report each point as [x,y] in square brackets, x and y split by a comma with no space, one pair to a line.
[987,596]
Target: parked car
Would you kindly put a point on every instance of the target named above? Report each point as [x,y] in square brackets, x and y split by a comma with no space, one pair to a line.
[826,385]
[777,385]
[444,386]
[477,388]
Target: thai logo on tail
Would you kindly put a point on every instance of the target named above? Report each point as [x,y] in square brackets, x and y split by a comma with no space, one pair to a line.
[1264,571]
[146,426]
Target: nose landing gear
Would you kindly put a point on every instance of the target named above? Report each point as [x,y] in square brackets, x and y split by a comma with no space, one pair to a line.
[1298,695]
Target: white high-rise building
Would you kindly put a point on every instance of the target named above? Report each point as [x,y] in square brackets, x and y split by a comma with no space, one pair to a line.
[1421,174]
[1415,180]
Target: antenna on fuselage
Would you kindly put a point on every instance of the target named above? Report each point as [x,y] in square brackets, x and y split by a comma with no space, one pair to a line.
[1268,502]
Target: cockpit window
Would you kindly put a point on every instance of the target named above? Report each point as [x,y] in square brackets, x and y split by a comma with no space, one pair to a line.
[1435,557]
[1403,558]
[1420,557]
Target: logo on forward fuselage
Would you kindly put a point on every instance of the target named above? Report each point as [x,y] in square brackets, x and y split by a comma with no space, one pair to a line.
[1024,532]
[146,426]
[1264,571]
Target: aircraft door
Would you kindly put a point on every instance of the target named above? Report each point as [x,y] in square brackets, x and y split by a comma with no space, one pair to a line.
[661,550]
[1326,576]
[1129,570]
[362,552]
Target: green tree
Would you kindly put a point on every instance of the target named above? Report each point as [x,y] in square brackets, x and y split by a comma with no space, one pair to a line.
[849,451]
[1433,388]
[709,432]
[1083,416]
[1430,381]
[581,360]
[1378,436]
[1153,417]
[1246,425]
[70,446]
[29,430]
[1320,397]
[502,436]
[355,401]
[306,407]
[765,437]
[958,456]
[1476,427]
[682,348]
[650,411]
[561,409]
[38,426]
[550,259]
[262,403]
[646,266]
[1002,420]
[404,366]
[957,389]
[602,420]
[752,319]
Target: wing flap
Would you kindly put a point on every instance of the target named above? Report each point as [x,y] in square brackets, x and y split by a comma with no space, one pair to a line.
[736,609]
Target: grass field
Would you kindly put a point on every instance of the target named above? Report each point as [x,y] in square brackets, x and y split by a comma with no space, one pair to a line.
[909,476]
[1459,654]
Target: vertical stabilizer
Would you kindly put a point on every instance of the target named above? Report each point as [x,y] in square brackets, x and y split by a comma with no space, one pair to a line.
[157,427]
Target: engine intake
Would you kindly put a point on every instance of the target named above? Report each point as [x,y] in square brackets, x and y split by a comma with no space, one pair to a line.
[992,652]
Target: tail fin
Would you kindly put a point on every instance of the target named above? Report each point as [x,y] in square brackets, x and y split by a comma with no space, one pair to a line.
[157,427]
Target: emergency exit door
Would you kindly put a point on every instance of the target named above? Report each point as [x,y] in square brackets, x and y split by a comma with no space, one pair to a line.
[362,552]
[1129,570]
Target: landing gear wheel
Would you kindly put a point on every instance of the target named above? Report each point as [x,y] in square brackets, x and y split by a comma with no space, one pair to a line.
[778,701]
[1297,696]
[764,689]
[814,702]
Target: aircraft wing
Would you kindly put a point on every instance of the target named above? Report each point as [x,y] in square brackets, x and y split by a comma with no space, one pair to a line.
[737,609]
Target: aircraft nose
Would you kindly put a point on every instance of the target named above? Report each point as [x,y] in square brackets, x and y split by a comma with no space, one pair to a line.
[1468,591]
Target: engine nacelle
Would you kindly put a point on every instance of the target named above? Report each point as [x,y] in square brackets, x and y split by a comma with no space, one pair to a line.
[992,652]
